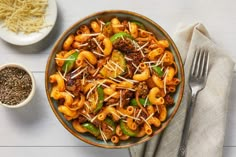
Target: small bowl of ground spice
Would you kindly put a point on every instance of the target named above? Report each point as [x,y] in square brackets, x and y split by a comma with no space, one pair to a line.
[17,85]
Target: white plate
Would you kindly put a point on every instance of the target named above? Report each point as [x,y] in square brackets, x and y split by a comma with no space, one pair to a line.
[27,39]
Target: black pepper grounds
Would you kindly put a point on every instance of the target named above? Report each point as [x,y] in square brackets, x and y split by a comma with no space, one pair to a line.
[15,85]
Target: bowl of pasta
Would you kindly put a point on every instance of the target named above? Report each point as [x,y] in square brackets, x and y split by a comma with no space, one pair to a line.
[114,79]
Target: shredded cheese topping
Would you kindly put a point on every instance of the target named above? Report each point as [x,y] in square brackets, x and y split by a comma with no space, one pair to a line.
[98,53]
[151,115]
[92,34]
[128,80]
[25,16]
[103,135]
[145,102]
[139,112]
[90,91]
[62,75]
[96,72]
[125,115]
[110,96]
[114,79]
[99,46]
[78,73]
[89,63]
[146,122]
[139,48]
[127,58]
[69,93]
[165,74]
[75,70]
[117,66]
[89,118]
[131,89]
[94,118]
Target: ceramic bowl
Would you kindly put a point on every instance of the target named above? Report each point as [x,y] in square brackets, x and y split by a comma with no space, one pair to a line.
[32,92]
[107,15]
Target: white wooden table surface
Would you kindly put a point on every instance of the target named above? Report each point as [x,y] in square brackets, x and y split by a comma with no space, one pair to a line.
[34,130]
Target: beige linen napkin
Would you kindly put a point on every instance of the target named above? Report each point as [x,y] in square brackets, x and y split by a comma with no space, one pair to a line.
[208,123]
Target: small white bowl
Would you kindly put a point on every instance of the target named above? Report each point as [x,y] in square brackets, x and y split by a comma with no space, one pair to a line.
[22,39]
[30,96]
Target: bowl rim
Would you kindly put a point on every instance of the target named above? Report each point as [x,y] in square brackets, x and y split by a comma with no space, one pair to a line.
[181,72]
[32,92]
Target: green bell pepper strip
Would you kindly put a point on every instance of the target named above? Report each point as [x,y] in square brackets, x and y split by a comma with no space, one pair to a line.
[120,35]
[133,102]
[91,128]
[126,130]
[140,25]
[158,70]
[100,99]
[69,63]
[111,123]
[107,23]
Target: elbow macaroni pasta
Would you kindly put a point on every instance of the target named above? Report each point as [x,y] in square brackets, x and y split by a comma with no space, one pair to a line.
[66,111]
[56,78]
[133,30]
[95,26]
[131,124]
[116,25]
[152,55]
[107,46]
[130,90]
[153,96]
[68,42]
[78,127]
[109,110]
[144,75]
[77,104]
[158,81]
[86,55]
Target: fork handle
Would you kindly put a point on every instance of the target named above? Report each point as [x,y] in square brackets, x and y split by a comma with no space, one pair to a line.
[185,135]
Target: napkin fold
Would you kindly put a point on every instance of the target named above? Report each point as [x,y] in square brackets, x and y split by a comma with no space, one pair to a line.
[207,128]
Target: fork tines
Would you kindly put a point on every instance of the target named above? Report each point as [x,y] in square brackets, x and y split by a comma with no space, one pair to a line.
[200,63]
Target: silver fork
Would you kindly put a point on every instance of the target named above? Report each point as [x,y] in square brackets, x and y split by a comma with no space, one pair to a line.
[197,81]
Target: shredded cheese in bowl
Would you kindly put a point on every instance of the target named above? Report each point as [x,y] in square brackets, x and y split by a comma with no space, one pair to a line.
[25,16]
